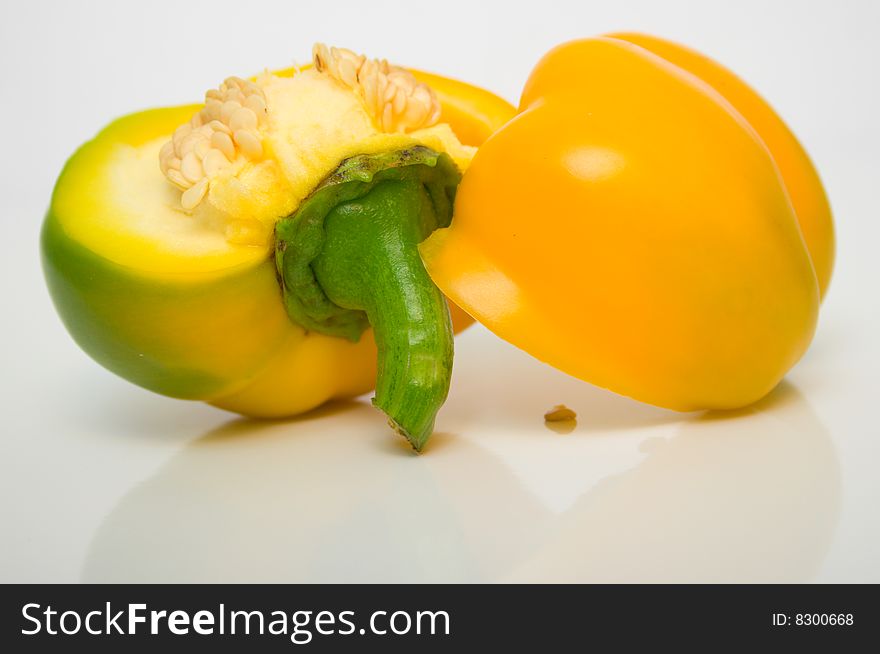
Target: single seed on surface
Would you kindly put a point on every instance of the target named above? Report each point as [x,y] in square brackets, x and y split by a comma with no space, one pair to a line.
[560,413]
[560,419]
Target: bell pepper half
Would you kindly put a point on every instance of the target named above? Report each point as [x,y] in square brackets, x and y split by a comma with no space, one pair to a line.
[646,223]
[253,251]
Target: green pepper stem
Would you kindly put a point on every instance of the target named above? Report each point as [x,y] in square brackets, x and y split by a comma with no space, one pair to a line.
[370,261]
[349,258]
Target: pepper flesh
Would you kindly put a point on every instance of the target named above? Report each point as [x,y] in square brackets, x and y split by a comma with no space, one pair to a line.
[631,228]
[210,327]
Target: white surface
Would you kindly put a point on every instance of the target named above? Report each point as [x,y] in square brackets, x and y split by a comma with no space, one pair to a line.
[101,480]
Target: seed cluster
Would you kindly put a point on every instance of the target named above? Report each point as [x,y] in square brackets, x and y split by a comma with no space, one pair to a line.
[228,127]
[228,130]
[395,99]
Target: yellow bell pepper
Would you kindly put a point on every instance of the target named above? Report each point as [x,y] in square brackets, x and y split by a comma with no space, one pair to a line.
[159,247]
[631,227]
[801,180]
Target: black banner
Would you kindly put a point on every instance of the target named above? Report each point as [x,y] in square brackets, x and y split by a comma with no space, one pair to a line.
[428,618]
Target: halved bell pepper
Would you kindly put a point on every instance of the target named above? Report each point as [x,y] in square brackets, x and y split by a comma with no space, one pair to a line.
[800,177]
[216,252]
[646,223]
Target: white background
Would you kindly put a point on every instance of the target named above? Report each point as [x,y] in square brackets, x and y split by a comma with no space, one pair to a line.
[101,480]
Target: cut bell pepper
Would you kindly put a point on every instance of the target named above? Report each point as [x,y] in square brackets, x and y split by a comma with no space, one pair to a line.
[634,227]
[179,292]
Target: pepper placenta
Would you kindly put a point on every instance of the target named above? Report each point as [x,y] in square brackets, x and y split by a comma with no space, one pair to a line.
[646,223]
[168,235]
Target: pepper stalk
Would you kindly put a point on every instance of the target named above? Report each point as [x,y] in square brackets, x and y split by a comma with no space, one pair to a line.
[348,259]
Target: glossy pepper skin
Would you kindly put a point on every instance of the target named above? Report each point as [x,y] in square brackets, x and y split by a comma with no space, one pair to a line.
[801,179]
[631,227]
[211,332]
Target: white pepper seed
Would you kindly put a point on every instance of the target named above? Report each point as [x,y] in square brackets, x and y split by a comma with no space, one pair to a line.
[191,168]
[202,148]
[228,109]
[177,179]
[256,104]
[211,112]
[249,143]
[213,162]
[224,144]
[192,196]
[243,118]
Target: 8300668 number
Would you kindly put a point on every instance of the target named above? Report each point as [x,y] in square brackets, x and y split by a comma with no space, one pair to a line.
[812,619]
[823,619]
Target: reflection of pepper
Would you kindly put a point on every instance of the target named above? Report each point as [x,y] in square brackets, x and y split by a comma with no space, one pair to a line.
[631,227]
[180,293]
